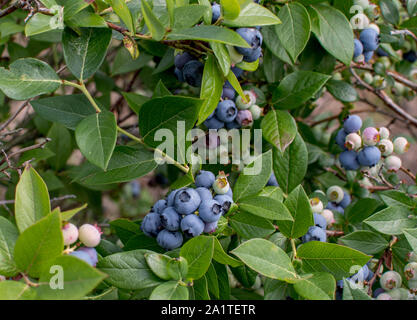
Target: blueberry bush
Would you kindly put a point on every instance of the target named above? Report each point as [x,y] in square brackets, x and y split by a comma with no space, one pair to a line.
[122,177]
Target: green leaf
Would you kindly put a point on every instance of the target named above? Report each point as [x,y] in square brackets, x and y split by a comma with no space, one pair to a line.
[279,128]
[209,33]
[200,288]
[265,207]
[275,46]
[253,15]
[31,200]
[121,9]
[272,192]
[231,77]
[222,257]
[86,19]
[390,11]
[68,214]
[170,290]
[39,245]
[412,7]
[294,31]
[392,220]
[73,7]
[85,53]
[222,56]
[334,31]
[128,270]
[135,101]
[154,25]
[299,207]
[126,164]
[13,290]
[198,252]
[254,177]
[125,229]
[317,286]
[39,23]
[397,198]
[353,293]
[158,264]
[28,78]
[188,16]
[79,278]
[361,210]
[8,237]
[267,259]
[231,9]
[68,110]
[249,226]
[211,88]
[329,257]
[342,90]
[60,144]
[290,166]
[366,241]
[297,88]
[96,137]
[411,236]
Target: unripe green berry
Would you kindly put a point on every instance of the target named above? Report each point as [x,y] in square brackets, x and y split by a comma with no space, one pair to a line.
[335,194]
[390,280]
[410,271]
[250,97]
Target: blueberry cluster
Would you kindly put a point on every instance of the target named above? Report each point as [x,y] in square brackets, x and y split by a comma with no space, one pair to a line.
[190,210]
[366,150]
[234,114]
[367,44]
[188,69]
[364,274]
[88,235]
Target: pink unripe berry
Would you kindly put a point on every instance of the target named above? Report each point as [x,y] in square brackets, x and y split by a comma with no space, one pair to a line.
[89,235]
[329,216]
[370,136]
[401,145]
[316,205]
[386,147]
[353,141]
[70,234]
[393,163]
[244,118]
[221,185]
[384,133]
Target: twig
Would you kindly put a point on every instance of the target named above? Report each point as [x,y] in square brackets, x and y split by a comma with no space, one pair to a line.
[68,196]
[405,32]
[35,146]
[7,11]
[408,172]
[334,117]
[334,233]
[21,108]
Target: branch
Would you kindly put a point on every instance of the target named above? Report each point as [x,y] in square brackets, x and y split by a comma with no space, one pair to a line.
[387,100]
[68,196]
[21,108]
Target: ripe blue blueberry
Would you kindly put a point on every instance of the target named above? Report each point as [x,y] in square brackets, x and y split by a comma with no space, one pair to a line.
[181,59]
[358,48]
[253,56]
[361,275]
[92,253]
[160,206]
[370,39]
[192,225]
[369,156]
[204,193]
[210,211]
[315,234]
[238,73]
[349,160]
[334,207]
[368,55]
[193,73]
[170,219]
[187,201]
[83,256]
[226,111]
[179,75]
[253,37]
[214,123]
[228,93]
[205,179]
[229,193]
[151,224]
[381,52]
[410,56]
[320,221]
[225,201]
[272,181]
[352,124]
[169,240]
[346,200]
[215,9]
[171,197]
[341,138]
